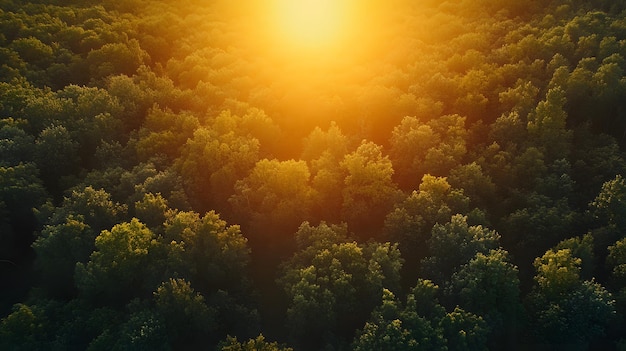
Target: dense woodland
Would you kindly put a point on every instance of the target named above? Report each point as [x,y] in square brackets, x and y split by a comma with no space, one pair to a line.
[449,175]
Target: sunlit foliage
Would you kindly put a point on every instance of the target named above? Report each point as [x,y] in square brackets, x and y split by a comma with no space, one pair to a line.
[262,175]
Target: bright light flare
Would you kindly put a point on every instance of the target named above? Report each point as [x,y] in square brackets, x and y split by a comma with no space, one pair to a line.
[312,23]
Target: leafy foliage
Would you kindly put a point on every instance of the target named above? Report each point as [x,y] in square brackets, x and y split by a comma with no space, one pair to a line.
[466,142]
[331,284]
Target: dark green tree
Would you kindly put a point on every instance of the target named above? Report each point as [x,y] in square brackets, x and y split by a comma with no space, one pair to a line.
[412,220]
[256,344]
[119,269]
[276,195]
[96,208]
[333,284]
[211,163]
[116,58]
[59,247]
[421,324]
[453,244]
[21,191]
[153,210]
[392,327]
[187,319]
[56,155]
[488,285]
[15,144]
[547,126]
[566,311]
[464,331]
[206,251]
[434,147]
[609,206]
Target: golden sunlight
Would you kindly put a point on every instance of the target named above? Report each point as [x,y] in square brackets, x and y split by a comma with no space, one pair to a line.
[311,23]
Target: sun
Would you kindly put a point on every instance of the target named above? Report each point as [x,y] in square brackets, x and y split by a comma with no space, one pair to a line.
[311,23]
[315,35]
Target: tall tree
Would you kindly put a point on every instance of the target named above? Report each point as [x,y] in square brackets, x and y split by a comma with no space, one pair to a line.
[421,324]
[324,151]
[187,318]
[257,344]
[488,285]
[453,244]
[333,284]
[411,221]
[369,191]
[566,311]
[56,155]
[59,247]
[547,126]
[21,191]
[119,270]
[275,197]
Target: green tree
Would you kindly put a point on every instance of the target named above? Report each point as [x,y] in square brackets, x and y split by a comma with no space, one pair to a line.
[547,126]
[421,324]
[120,268]
[464,330]
[23,329]
[333,284]
[324,152]
[188,320]
[33,51]
[130,186]
[488,285]
[164,133]
[319,142]
[410,142]
[449,153]
[15,144]
[411,221]
[609,206]
[214,256]
[56,325]
[392,327]
[210,164]
[596,159]
[617,260]
[276,194]
[146,178]
[59,247]
[257,344]
[509,131]
[21,191]
[419,148]
[541,224]
[476,185]
[56,155]
[529,167]
[566,311]
[583,248]
[143,330]
[520,100]
[369,191]
[152,209]
[557,272]
[116,58]
[88,114]
[95,207]
[137,94]
[453,244]
[206,251]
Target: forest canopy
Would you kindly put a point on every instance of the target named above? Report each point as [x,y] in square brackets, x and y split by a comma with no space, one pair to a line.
[312,175]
